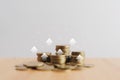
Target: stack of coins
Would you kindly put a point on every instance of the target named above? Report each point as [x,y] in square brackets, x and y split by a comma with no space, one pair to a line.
[65,49]
[58,59]
[48,58]
[62,66]
[76,53]
[68,59]
[74,57]
[39,58]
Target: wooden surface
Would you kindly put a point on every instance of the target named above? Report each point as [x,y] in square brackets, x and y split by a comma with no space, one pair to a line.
[105,69]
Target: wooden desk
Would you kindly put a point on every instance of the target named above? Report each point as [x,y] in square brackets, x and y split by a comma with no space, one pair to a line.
[105,69]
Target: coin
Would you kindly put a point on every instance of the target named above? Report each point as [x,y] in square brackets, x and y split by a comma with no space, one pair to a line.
[88,65]
[77,68]
[66,50]
[82,53]
[45,67]
[66,53]
[21,67]
[68,59]
[33,64]
[62,47]
[48,59]
[39,58]
[39,54]
[63,67]
[72,67]
[73,59]
[58,59]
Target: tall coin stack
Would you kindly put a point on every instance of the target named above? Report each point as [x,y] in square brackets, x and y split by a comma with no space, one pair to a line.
[58,59]
[65,49]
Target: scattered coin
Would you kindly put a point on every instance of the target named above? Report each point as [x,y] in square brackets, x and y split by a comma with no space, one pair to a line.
[21,67]
[33,64]
[88,65]
[73,67]
[45,67]
[77,68]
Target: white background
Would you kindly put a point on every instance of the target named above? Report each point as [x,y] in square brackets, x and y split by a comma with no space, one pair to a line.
[95,24]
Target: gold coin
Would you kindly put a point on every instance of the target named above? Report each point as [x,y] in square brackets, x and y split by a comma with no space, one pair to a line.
[77,68]
[73,67]
[21,67]
[58,59]
[33,64]
[39,54]
[88,65]
[66,50]
[45,67]
[62,47]
[58,62]
[82,53]
[63,67]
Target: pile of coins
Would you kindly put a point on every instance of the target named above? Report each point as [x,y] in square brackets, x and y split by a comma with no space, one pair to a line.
[64,61]
[34,65]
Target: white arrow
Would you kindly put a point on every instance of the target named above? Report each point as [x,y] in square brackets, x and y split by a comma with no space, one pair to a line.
[34,49]
[72,42]
[59,52]
[79,57]
[44,56]
[49,41]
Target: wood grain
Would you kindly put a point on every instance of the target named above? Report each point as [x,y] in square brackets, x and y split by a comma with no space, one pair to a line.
[105,69]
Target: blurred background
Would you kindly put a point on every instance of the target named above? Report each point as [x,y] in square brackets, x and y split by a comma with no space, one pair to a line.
[94,24]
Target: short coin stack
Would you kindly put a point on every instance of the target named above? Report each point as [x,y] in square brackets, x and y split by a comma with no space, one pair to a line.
[39,58]
[76,54]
